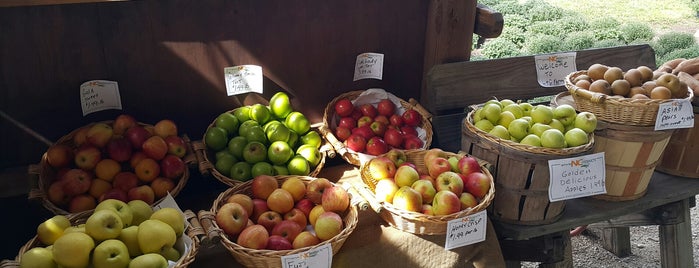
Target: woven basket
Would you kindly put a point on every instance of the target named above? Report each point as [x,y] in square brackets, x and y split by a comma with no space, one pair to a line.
[81,217]
[625,111]
[206,165]
[415,222]
[352,157]
[272,258]
[47,174]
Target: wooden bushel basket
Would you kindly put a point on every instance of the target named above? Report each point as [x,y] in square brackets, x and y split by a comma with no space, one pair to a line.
[681,156]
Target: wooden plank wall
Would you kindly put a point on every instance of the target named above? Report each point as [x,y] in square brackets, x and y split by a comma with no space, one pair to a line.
[168,57]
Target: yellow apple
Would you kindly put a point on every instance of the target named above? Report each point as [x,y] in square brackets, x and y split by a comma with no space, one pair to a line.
[120,207]
[129,236]
[154,235]
[37,257]
[170,253]
[141,211]
[73,250]
[103,225]
[150,260]
[51,229]
[172,217]
[110,253]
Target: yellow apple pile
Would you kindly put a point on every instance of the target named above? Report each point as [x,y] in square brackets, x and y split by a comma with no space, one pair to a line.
[444,185]
[121,160]
[540,125]
[290,215]
[116,234]
[636,83]
[263,139]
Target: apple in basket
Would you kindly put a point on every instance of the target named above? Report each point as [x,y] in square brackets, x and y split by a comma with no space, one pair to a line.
[381,167]
[328,225]
[335,199]
[315,189]
[478,184]
[232,218]
[254,237]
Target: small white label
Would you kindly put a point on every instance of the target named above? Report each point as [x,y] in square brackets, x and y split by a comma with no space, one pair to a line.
[466,231]
[675,114]
[577,177]
[369,65]
[320,257]
[552,69]
[98,95]
[243,79]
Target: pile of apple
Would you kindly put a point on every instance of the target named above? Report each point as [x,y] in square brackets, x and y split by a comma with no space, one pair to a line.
[375,130]
[292,215]
[123,160]
[116,235]
[444,185]
[636,83]
[539,125]
[256,139]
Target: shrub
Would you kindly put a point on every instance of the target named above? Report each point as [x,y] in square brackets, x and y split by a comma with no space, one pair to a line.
[514,35]
[579,40]
[669,42]
[499,48]
[687,53]
[547,28]
[541,44]
[573,23]
[509,7]
[605,28]
[545,12]
[608,43]
[515,21]
[636,31]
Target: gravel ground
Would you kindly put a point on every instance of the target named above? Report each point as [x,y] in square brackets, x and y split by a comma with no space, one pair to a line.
[645,250]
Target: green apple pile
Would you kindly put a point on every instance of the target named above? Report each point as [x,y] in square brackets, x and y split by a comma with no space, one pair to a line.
[539,125]
[116,235]
[283,216]
[444,185]
[122,159]
[257,140]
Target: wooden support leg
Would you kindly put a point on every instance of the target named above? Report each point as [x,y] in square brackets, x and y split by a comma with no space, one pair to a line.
[617,240]
[676,241]
[567,261]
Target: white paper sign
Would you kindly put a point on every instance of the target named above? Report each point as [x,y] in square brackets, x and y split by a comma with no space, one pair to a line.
[552,69]
[98,95]
[467,230]
[577,177]
[243,79]
[368,65]
[320,257]
[675,114]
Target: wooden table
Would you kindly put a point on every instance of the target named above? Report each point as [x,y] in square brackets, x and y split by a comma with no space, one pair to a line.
[666,204]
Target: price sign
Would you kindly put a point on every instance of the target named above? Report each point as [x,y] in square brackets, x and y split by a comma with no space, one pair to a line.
[552,69]
[577,177]
[320,257]
[675,114]
[368,65]
[467,230]
[243,79]
[98,95]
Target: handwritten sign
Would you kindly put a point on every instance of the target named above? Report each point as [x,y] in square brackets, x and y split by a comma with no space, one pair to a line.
[577,177]
[467,230]
[243,79]
[320,257]
[98,95]
[675,114]
[552,69]
[368,65]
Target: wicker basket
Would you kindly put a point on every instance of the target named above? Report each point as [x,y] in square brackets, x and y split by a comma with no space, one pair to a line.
[81,217]
[47,174]
[272,258]
[625,111]
[415,222]
[206,165]
[352,157]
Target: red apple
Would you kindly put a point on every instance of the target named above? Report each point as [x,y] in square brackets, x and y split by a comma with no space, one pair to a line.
[122,123]
[269,219]
[468,165]
[305,205]
[155,147]
[383,119]
[393,137]
[408,199]
[408,130]
[59,155]
[143,192]
[412,117]
[87,157]
[445,203]
[165,128]
[136,157]
[254,237]
[80,137]
[259,206]
[365,121]
[288,229]
[432,153]
[425,189]
[232,218]
[99,134]
[176,146]
[119,149]
[263,185]
[365,131]
[278,242]
[344,107]
[305,239]
[386,107]
[427,209]
[381,167]
[76,181]
[406,175]
[335,199]
[98,187]
[82,202]
[450,181]
[356,142]
[137,135]
[244,200]
[347,122]
[172,167]
[342,133]
[368,110]
[315,189]
[147,170]
[356,114]
[114,193]
[297,216]
[56,195]
[379,128]
[328,225]
[396,120]
[437,165]
[376,146]
[411,142]
[125,180]
[478,184]
[161,186]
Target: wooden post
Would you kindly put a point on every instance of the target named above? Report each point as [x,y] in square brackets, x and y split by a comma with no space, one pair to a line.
[676,248]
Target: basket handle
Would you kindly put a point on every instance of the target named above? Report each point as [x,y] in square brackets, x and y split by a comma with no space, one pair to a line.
[365,193]
[361,203]
[190,158]
[199,151]
[592,96]
[34,191]
[9,263]
[212,234]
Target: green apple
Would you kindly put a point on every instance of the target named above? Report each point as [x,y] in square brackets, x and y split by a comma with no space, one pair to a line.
[500,132]
[565,113]
[526,108]
[298,165]
[236,146]
[269,124]
[73,250]
[553,138]
[532,140]
[279,152]
[557,125]
[150,260]
[216,138]
[297,122]
[172,217]
[153,235]
[586,121]
[454,164]
[538,128]
[111,253]
[493,101]
[171,254]
[478,115]
[529,119]
[505,102]
[254,152]
[37,257]
[541,114]
[312,138]
[277,132]
[261,168]
[241,171]
[224,163]
[256,133]
[515,109]
[260,113]
[576,137]
[141,211]
[129,236]
[505,118]
[48,231]
[519,128]
[484,124]
[242,113]
[280,170]
[245,127]
[492,112]
[104,224]
[311,153]
[293,140]
[118,206]
[229,122]
[280,105]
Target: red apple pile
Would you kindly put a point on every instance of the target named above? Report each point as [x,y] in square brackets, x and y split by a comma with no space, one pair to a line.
[121,160]
[375,130]
[278,216]
[444,185]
